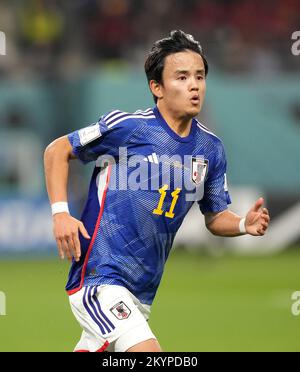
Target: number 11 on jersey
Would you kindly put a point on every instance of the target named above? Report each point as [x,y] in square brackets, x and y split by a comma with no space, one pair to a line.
[163,193]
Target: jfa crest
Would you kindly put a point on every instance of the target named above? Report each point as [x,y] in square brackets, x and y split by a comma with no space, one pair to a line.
[121,311]
[199,170]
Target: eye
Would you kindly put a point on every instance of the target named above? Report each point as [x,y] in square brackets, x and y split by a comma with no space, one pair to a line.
[200,77]
[182,78]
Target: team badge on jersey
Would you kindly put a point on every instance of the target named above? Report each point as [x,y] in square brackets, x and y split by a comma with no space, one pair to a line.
[199,170]
[121,310]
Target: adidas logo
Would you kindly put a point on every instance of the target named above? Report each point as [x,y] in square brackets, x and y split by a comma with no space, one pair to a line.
[152,158]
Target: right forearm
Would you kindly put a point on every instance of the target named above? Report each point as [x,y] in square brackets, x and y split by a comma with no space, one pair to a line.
[56,165]
[65,227]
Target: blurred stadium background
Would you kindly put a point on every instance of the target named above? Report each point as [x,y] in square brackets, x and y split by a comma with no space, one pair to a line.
[66,63]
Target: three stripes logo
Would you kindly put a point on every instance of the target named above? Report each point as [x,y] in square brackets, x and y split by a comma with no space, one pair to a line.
[115,117]
[2,44]
[152,158]
[93,307]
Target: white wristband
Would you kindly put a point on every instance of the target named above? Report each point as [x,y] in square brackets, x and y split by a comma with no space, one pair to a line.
[59,207]
[242,225]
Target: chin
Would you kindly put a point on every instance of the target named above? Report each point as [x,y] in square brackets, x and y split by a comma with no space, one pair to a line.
[194,111]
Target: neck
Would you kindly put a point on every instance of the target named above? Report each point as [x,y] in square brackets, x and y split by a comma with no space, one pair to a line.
[180,125]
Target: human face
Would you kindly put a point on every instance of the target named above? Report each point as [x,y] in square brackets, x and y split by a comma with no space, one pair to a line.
[183,86]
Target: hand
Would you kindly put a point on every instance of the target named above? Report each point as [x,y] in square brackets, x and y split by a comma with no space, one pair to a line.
[65,230]
[257,219]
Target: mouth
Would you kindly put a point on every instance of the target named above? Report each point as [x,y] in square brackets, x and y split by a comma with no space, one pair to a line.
[195,100]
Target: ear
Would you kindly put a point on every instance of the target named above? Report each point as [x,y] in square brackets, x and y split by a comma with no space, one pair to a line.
[156,89]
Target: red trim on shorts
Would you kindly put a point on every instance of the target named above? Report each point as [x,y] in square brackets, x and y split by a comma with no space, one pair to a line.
[81,351]
[72,291]
[103,347]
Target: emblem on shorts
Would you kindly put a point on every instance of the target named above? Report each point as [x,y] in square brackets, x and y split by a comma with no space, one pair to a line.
[199,170]
[121,310]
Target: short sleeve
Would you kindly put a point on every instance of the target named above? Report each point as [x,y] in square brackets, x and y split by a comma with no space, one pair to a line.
[98,139]
[216,197]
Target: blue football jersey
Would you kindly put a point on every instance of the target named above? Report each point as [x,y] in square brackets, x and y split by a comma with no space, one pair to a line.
[145,180]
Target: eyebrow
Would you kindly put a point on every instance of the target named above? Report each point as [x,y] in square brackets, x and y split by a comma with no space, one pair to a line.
[185,72]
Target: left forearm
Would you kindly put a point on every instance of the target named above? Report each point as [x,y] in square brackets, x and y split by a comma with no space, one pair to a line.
[224,224]
[227,223]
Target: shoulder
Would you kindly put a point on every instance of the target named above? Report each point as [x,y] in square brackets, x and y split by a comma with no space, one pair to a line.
[211,138]
[118,118]
[215,150]
[206,132]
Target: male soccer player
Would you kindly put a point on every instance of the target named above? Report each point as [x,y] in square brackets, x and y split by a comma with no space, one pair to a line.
[127,228]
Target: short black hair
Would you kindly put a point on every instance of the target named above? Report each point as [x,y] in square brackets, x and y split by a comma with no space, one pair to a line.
[178,41]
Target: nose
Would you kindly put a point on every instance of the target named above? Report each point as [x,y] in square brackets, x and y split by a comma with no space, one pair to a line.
[194,85]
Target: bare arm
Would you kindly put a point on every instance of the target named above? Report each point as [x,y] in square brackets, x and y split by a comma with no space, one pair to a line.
[226,223]
[56,162]
[65,228]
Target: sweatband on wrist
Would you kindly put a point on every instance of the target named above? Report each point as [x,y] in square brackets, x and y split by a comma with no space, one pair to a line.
[59,207]
[242,225]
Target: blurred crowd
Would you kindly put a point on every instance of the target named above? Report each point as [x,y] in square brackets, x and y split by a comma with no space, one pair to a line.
[58,37]
[56,47]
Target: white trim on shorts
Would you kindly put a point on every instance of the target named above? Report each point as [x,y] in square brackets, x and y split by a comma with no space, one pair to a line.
[110,315]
